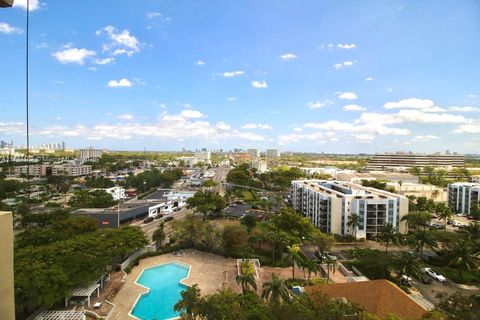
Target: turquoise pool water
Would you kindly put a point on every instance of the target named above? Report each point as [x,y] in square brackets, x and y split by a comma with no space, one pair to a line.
[165,287]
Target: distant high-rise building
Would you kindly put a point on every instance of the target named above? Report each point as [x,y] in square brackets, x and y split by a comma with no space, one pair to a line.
[260,165]
[254,153]
[272,153]
[90,153]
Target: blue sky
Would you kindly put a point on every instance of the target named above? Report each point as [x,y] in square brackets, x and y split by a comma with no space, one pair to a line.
[344,77]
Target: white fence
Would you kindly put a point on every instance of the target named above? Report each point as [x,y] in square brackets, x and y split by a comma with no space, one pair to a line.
[125,264]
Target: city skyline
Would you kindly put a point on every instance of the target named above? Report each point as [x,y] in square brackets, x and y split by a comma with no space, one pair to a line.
[339,78]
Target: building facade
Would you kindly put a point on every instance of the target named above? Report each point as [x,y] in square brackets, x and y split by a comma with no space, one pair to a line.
[118,193]
[254,153]
[272,153]
[463,196]
[392,161]
[90,153]
[7,304]
[260,165]
[34,170]
[73,170]
[329,204]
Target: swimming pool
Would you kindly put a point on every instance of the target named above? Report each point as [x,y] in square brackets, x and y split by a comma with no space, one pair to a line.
[163,281]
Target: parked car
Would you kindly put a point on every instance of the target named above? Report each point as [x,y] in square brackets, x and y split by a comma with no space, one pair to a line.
[168,219]
[457,224]
[158,216]
[435,275]
[148,220]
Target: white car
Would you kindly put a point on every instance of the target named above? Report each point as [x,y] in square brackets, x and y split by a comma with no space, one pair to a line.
[458,224]
[434,275]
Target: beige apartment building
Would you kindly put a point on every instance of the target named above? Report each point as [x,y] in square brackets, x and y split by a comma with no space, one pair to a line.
[7,303]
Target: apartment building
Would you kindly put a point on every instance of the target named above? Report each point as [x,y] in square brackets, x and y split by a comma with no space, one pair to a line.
[395,161]
[272,153]
[118,193]
[90,153]
[260,165]
[34,170]
[73,170]
[462,196]
[204,156]
[329,204]
[254,153]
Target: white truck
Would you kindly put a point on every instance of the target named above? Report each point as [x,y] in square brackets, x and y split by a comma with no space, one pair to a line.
[164,208]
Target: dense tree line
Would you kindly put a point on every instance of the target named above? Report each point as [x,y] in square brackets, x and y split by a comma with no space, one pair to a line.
[53,260]
[153,179]
[279,179]
[91,199]
[99,182]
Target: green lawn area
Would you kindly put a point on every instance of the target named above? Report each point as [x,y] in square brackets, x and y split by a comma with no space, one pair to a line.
[469,277]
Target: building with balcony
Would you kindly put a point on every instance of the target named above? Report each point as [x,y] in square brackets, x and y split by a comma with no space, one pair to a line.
[90,153]
[73,170]
[260,165]
[33,170]
[463,196]
[254,153]
[403,161]
[272,154]
[329,204]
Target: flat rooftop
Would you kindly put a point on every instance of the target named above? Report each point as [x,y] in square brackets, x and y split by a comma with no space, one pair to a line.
[342,189]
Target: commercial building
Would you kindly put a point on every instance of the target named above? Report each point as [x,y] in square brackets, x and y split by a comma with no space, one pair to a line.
[357,177]
[329,204]
[254,153]
[463,196]
[204,156]
[90,153]
[272,153]
[420,190]
[7,304]
[241,157]
[260,165]
[73,170]
[403,161]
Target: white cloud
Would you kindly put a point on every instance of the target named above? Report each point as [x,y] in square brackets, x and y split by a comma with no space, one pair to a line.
[344,64]
[122,42]
[288,56]
[93,69]
[347,46]
[425,138]
[369,78]
[414,116]
[104,61]
[464,109]
[346,95]
[73,55]
[298,129]
[257,126]
[317,104]
[354,107]
[317,137]
[152,15]
[231,74]
[8,29]
[119,83]
[468,128]
[12,128]
[259,84]
[200,63]
[231,98]
[364,137]
[126,116]
[192,114]
[411,103]
[34,4]
[471,95]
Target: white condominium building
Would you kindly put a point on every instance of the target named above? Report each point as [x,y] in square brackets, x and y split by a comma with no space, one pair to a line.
[329,204]
[90,153]
[272,153]
[254,153]
[462,196]
[260,165]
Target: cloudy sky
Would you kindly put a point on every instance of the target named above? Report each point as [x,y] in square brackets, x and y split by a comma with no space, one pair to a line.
[356,76]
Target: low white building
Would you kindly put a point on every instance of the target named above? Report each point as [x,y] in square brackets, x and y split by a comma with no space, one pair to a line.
[118,193]
[420,190]
[260,165]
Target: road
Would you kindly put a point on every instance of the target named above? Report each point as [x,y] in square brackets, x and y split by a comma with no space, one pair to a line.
[149,228]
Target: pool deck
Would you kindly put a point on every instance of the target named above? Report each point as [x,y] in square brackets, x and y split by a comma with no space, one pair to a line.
[207,270]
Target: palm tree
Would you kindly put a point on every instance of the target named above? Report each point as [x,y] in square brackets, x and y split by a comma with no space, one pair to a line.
[388,235]
[293,252]
[246,281]
[159,235]
[472,231]
[462,256]
[354,222]
[445,214]
[408,264]
[275,290]
[422,239]
[330,263]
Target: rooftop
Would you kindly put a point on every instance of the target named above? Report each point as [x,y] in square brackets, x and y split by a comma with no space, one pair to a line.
[379,297]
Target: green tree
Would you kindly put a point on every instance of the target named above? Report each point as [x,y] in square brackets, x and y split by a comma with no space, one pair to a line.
[409,265]
[206,202]
[445,213]
[235,239]
[249,221]
[294,254]
[275,290]
[354,222]
[459,307]
[388,235]
[159,235]
[189,230]
[188,306]
[423,239]
[462,255]
[246,281]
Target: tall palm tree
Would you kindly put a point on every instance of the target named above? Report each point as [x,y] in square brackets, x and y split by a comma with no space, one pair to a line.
[422,239]
[246,281]
[461,256]
[388,234]
[293,252]
[445,214]
[354,222]
[275,290]
[331,263]
[409,265]
[159,235]
[472,231]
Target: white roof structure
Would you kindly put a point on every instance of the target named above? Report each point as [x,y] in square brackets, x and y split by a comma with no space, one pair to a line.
[86,291]
[61,315]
